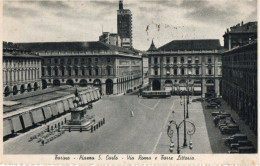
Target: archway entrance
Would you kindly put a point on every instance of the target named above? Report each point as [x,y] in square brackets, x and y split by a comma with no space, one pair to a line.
[109,86]
[56,82]
[210,88]
[29,88]
[83,83]
[7,91]
[156,85]
[44,84]
[22,89]
[70,82]
[15,90]
[35,86]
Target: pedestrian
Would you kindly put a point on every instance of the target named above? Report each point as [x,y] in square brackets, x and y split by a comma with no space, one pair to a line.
[42,141]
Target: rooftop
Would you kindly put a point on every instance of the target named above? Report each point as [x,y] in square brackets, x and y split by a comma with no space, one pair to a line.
[250,27]
[191,45]
[72,46]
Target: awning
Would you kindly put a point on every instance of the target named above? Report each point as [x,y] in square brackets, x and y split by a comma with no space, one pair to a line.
[92,96]
[27,120]
[7,127]
[71,105]
[54,109]
[95,95]
[84,98]
[37,115]
[60,107]
[88,97]
[197,88]
[98,94]
[47,112]
[16,123]
[66,105]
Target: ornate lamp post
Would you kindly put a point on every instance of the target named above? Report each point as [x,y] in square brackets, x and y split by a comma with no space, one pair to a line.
[185,137]
[190,132]
[188,100]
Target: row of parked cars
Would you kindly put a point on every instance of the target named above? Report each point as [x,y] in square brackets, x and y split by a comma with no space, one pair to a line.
[237,142]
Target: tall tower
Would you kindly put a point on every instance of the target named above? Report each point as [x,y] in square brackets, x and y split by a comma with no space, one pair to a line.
[124,25]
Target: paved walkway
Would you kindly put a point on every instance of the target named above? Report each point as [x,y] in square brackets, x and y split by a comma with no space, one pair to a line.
[199,139]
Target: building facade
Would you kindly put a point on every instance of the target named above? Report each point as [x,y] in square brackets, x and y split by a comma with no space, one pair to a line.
[240,80]
[110,38]
[21,70]
[240,34]
[112,69]
[124,25]
[145,68]
[182,65]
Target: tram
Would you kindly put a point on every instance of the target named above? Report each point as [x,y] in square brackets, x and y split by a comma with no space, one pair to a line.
[160,94]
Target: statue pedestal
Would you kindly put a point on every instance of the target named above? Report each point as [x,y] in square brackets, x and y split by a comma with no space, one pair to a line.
[79,120]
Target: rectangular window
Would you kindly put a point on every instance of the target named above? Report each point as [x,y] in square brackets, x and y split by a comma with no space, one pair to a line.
[89,60]
[108,71]
[69,72]
[96,60]
[182,71]
[61,61]
[189,60]
[55,60]
[155,60]
[49,61]
[76,61]
[175,71]
[168,71]
[82,60]
[197,71]
[167,59]
[210,72]
[108,60]
[209,59]
[83,72]
[175,59]
[197,60]
[90,72]
[76,72]
[97,72]
[69,61]
[156,72]
[182,59]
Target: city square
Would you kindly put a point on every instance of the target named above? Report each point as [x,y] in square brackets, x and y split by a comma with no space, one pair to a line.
[144,132]
[158,84]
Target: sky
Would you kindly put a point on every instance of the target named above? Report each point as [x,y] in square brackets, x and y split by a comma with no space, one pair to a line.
[158,20]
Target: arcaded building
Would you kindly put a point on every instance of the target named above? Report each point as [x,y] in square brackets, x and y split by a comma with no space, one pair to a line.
[182,65]
[21,70]
[112,69]
[240,75]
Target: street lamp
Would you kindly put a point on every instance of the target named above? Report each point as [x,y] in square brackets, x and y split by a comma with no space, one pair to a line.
[177,126]
[185,137]
[188,101]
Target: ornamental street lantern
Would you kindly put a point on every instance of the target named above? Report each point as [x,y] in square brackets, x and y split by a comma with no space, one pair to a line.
[170,131]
